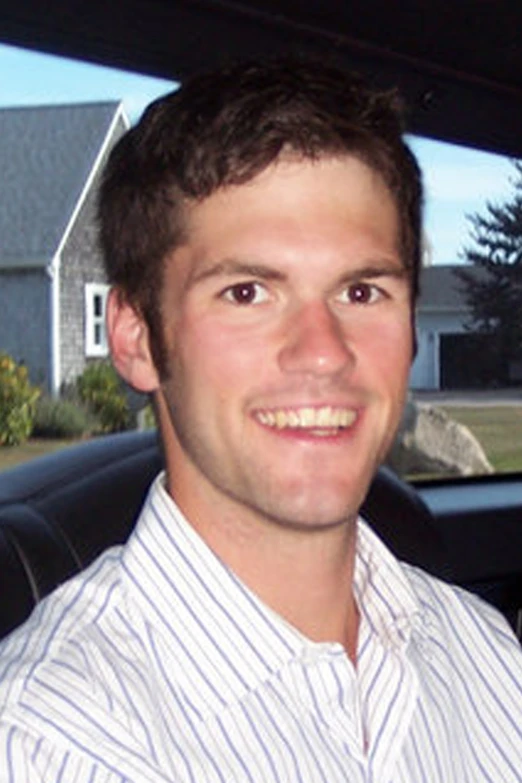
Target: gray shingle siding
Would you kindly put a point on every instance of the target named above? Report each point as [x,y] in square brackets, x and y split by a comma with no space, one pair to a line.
[25,320]
[81,264]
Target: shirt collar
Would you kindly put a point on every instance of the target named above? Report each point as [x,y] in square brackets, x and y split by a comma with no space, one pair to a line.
[383,591]
[222,638]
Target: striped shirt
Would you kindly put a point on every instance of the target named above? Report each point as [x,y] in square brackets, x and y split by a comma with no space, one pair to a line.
[157,664]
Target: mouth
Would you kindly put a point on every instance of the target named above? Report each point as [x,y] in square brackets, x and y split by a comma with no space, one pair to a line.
[323,421]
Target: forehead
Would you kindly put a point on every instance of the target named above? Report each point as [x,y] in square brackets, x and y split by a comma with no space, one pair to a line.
[310,222]
[301,195]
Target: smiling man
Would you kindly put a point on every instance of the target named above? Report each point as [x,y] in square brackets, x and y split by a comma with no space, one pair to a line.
[262,228]
[287,330]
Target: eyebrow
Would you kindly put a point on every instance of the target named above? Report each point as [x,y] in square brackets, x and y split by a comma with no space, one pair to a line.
[373,271]
[230,267]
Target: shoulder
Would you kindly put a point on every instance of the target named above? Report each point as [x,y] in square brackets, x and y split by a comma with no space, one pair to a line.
[467,636]
[468,665]
[456,609]
[59,689]
[44,681]
[48,641]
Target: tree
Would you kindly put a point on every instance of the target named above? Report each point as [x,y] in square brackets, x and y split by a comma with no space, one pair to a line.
[492,284]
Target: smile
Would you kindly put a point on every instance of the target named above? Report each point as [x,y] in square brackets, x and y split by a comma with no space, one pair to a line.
[323,418]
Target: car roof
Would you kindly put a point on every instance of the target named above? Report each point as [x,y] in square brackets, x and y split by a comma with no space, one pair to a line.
[459,65]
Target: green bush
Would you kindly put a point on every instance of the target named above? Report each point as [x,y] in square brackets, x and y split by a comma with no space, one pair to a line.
[101,390]
[62,419]
[146,419]
[17,402]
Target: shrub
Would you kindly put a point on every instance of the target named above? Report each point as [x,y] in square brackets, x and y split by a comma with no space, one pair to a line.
[62,419]
[146,419]
[17,402]
[101,390]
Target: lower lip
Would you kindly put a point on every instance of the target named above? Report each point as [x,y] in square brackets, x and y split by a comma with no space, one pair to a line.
[313,436]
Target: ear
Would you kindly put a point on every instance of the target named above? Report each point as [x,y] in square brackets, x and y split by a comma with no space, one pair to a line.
[128,337]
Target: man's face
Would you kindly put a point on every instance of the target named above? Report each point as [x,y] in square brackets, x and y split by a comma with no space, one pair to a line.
[288,325]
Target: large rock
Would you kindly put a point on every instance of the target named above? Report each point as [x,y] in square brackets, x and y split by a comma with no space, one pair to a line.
[430,442]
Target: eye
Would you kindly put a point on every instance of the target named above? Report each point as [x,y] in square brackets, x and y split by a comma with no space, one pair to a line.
[246,293]
[361,293]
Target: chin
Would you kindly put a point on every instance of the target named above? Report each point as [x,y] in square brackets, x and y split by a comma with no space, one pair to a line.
[317,510]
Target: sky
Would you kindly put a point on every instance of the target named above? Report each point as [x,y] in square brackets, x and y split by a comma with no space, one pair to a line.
[459,181]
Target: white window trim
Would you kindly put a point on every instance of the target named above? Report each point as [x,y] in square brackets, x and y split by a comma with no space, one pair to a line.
[93,347]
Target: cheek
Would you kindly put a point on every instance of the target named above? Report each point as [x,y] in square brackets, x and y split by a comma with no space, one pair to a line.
[387,346]
[219,357]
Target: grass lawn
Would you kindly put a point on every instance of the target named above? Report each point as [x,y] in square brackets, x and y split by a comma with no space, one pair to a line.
[498,429]
[15,455]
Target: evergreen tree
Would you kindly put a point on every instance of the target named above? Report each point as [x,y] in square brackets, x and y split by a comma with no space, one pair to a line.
[492,289]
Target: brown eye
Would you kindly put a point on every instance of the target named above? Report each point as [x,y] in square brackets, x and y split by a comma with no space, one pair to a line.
[246,293]
[361,293]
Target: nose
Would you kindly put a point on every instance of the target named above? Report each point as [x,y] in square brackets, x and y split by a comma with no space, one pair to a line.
[315,343]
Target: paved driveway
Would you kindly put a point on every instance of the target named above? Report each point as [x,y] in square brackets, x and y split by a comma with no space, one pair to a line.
[493,397]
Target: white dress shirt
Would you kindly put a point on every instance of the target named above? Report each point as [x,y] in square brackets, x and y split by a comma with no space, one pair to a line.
[158,665]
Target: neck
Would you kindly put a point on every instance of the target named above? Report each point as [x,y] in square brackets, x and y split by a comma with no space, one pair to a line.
[306,576]
[309,582]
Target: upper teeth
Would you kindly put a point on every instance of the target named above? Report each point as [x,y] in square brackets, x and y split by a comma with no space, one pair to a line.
[325,416]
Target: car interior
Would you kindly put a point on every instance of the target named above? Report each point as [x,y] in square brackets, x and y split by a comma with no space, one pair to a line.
[459,68]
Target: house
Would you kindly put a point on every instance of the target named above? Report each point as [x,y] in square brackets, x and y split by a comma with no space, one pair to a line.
[444,359]
[52,284]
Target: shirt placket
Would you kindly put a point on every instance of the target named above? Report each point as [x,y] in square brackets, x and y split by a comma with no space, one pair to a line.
[388,695]
[327,684]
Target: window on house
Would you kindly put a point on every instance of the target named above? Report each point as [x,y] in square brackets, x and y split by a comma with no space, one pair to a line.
[95,331]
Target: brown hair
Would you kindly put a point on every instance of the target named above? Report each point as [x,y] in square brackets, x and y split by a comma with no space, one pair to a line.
[225,127]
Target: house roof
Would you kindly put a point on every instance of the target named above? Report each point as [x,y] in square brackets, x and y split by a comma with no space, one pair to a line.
[440,288]
[47,154]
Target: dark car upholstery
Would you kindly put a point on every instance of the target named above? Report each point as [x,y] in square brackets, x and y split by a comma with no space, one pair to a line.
[59,512]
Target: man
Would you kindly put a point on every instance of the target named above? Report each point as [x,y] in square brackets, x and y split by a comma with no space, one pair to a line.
[262,231]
